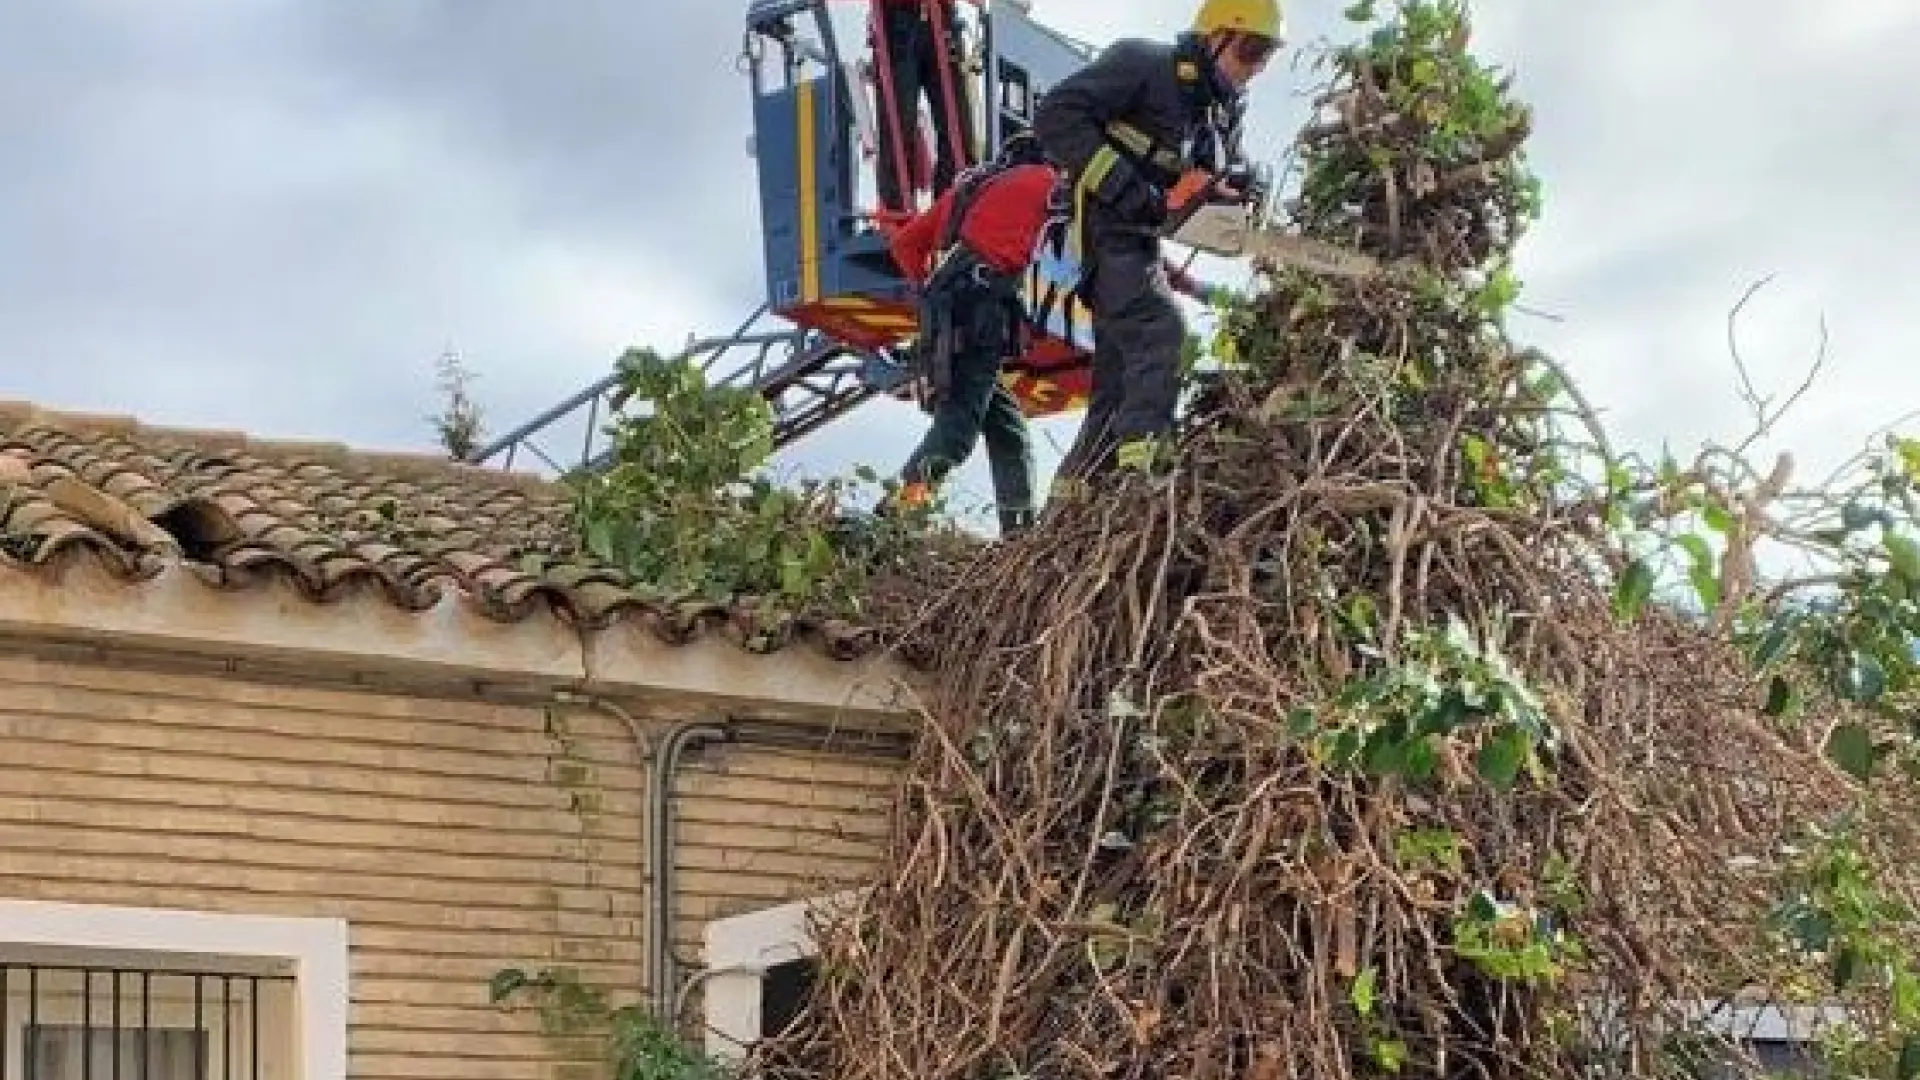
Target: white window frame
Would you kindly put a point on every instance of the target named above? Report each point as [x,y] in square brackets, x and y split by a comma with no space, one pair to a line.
[739,951]
[316,949]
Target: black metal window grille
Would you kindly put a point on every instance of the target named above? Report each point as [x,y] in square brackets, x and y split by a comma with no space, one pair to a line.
[67,1022]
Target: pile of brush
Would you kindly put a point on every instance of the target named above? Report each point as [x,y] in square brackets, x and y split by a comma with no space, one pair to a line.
[1334,752]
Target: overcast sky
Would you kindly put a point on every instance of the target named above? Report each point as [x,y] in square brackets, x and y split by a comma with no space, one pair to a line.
[272,215]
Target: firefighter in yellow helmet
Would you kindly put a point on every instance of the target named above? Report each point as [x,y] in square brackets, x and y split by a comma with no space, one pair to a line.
[1125,128]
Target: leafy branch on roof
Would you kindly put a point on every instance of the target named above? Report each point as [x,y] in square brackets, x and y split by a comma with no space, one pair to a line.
[690,508]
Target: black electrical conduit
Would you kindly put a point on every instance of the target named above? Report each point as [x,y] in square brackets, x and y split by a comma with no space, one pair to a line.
[662,966]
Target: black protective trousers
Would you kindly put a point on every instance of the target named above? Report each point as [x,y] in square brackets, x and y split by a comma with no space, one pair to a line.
[915,60]
[971,403]
[1138,332]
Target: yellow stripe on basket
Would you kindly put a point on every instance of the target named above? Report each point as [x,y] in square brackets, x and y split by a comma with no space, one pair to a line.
[809,194]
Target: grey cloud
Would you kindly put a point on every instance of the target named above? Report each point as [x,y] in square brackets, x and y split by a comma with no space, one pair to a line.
[212,220]
[1689,149]
[623,124]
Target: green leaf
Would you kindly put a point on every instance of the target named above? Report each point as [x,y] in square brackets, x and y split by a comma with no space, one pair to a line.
[1851,748]
[1779,696]
[1501,758]
[819,551]
[1386,752]
[1447,714]
[1389,1054]
[1419,759]
[1633,591]
[1904,554]
[1697,549]
[600,539]
[1909,451]
[505,983]
[1705,585]
[1909,1067]
[1775,643]
[1864,679]
[1362,613]
[1845,963]
[1906,998]
[1812,930]
[1362,992]
[1717,518]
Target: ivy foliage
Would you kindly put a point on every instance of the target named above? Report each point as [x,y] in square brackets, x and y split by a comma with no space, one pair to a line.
[1846,635]
[636,1046]
[689,507]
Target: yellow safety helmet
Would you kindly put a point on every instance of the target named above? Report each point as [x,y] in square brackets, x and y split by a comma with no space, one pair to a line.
[1260,17]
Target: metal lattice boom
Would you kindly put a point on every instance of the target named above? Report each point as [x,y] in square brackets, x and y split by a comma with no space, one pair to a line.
[809,378]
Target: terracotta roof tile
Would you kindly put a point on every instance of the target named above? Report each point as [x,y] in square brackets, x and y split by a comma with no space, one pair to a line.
[325,519]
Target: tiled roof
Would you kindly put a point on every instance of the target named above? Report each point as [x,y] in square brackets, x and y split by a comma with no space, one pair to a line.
[320,518]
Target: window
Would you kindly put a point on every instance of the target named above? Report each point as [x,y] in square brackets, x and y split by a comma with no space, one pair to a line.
[71,1053]
[759,968]
[88,1023]
[104,993]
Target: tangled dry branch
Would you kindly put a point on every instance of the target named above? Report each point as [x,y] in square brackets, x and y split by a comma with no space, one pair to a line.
[1332,753]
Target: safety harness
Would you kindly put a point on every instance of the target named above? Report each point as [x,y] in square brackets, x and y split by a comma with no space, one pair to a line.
[1051,290]
[960,277]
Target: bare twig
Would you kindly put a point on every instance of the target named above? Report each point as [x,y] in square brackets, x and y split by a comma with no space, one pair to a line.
[1764,416]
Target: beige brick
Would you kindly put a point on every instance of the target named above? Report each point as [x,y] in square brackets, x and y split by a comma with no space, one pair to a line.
[530,1060]
[618,834]
[766,798]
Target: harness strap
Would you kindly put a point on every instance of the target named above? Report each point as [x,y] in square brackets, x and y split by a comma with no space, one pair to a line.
[967,188]
[1144,147]
[1051,285]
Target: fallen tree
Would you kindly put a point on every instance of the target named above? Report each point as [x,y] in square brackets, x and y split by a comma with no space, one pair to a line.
[1367,739]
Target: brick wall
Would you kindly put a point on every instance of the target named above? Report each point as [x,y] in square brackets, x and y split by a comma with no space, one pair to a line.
[447,832]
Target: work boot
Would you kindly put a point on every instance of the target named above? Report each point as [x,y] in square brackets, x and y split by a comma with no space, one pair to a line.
[910,498]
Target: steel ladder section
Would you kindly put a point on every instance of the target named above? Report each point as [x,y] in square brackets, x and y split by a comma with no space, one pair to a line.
[810,379]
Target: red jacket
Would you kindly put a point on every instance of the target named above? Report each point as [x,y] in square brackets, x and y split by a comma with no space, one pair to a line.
[1001,226]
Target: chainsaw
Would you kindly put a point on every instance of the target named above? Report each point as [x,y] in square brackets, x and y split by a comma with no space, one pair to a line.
[1200,216]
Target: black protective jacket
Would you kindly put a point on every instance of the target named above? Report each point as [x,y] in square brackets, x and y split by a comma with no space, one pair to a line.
[1191,117]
